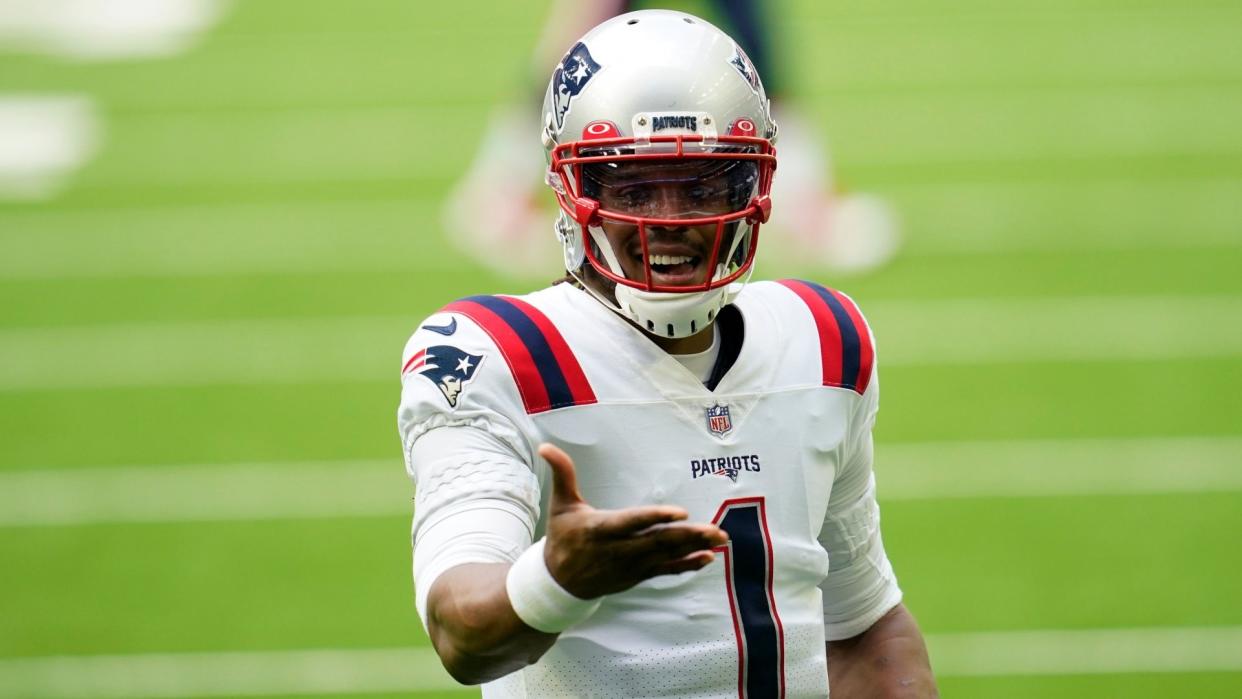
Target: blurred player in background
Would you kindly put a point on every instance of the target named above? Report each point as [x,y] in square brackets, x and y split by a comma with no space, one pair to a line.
[494,212]
[655,479]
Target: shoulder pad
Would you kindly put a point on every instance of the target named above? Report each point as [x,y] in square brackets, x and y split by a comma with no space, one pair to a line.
[845,344]
[547,374]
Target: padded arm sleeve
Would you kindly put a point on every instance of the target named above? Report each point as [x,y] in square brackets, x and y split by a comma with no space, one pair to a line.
[860,586]
[476,501]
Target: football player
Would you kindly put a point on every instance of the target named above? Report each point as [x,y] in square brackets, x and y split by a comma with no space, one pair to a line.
[815,222]
[655,478]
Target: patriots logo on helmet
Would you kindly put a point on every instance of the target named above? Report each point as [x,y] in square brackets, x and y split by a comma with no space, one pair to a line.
[743,65]
[449,368]
[570,77]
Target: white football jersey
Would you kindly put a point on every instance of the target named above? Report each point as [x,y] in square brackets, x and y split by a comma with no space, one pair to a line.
[778,455]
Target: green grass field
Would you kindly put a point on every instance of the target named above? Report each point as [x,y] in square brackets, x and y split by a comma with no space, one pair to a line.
[201,489]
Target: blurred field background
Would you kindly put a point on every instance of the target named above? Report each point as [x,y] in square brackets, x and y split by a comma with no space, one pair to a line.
[201,490]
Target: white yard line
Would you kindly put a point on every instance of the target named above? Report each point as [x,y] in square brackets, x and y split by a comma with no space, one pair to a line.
[308,237]
[1039,468]
[219,240]
[296,673]
[996,126]
[325,672]
[190,493]
[1076,328]
[292,350]
[1099,215]
[1105,121]
[266,491]
[1088,651]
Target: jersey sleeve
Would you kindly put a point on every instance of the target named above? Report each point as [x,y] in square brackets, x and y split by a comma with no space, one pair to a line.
[463,433]
[860,586]
[458,379]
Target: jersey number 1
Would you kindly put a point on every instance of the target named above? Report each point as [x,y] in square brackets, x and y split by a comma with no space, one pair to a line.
[748,578]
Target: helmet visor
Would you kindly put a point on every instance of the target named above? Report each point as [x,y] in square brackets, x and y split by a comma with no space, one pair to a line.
[680,188]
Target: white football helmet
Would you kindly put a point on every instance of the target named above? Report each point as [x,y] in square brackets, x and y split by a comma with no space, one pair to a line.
[659,140]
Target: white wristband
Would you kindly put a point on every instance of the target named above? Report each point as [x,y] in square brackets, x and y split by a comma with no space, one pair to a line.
[539,600]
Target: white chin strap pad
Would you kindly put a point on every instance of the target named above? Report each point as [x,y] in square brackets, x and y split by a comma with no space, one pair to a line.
[663,314]
[674,315]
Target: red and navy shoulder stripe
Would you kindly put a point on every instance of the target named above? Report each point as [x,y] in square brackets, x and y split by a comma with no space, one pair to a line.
[547,373]
[845,349]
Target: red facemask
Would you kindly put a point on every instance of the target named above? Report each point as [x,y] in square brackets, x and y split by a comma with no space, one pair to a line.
[678,199]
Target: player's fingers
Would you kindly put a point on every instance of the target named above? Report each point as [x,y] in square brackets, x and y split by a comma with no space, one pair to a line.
[635,519]
[669,534]
[693,561]
[669,542]
[564,479]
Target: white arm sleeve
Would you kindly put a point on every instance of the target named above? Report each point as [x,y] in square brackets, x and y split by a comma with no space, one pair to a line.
[860,586]
[475,501]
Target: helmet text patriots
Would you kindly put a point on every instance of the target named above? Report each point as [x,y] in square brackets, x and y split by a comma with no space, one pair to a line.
[679,121]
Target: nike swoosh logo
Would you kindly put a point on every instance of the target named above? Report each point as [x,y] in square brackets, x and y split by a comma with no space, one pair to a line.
[445,330]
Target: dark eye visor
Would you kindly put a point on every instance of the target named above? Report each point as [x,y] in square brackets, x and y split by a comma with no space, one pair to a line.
[698,185]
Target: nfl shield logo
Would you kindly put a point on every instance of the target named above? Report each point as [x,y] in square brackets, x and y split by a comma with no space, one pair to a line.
[718,421]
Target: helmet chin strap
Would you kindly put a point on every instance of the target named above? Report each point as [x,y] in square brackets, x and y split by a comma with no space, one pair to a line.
[605,249]
[672,315]
[662,314]
[601,244]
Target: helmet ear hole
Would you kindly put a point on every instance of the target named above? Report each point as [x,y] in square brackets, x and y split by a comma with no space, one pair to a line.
[742,126]
[572,241]
[598,130]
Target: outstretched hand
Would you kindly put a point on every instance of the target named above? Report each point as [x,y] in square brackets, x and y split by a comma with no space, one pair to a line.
[594,552]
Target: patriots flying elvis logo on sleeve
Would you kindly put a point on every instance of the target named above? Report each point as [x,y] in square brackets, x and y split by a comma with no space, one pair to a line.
[449,368]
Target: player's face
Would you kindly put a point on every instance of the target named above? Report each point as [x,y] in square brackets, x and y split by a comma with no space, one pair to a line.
[682,189]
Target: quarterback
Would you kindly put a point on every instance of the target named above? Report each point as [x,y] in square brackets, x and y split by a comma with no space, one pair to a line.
[654,479]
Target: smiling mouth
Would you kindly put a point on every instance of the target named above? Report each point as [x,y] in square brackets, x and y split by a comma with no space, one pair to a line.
[673,270]
[673,264]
